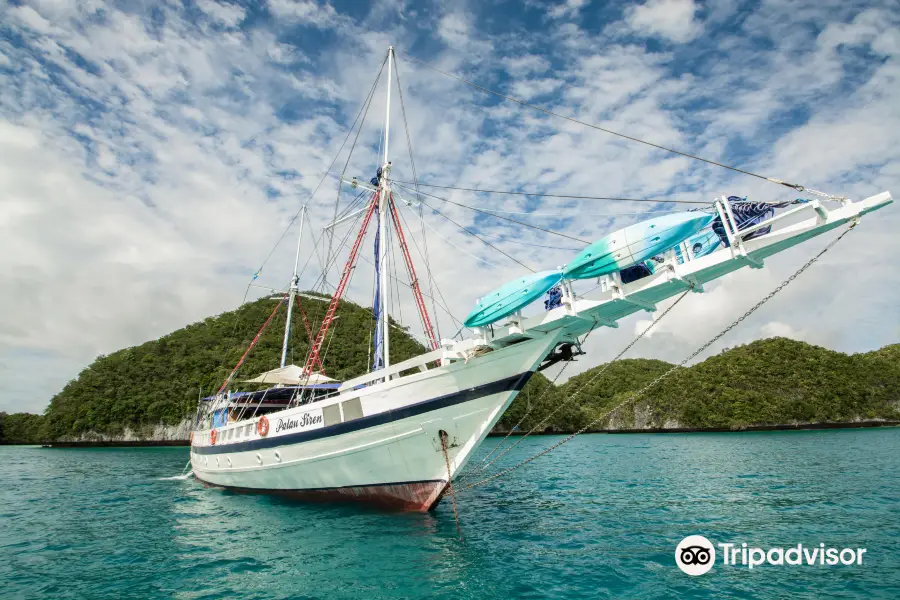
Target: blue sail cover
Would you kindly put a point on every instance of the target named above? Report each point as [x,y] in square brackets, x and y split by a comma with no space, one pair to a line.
[378,359]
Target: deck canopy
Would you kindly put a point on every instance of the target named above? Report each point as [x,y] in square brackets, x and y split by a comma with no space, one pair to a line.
[290,375]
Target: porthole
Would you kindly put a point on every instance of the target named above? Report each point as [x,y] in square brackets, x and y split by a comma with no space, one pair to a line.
[228,458]
[278,456]
[259,459]
[217,461]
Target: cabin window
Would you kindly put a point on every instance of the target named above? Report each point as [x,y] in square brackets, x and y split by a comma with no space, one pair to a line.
[352,409]
[331,414]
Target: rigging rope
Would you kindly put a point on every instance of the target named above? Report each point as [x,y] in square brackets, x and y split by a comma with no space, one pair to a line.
[568,196]
[799,188]
[674,368]
[443,436]
[511,241]
[403,283]
[427,267]
[582,214]
[321,181]
[496,216]
[412,162]
[250,347]
[596,376]
[475,235]
[366,105]
[478,258]
[480,467]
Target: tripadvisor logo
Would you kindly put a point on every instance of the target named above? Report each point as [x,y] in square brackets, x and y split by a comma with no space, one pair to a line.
[695,555]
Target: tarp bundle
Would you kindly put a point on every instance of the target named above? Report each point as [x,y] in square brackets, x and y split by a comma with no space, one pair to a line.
[747,214]
[290,375]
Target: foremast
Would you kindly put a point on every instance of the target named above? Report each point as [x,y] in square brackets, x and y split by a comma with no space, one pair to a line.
[292,292]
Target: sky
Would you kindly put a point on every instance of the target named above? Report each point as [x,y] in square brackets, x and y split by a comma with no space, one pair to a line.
[153,153]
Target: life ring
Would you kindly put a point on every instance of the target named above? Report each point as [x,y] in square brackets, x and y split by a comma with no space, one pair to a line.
[262,426]
[212,437]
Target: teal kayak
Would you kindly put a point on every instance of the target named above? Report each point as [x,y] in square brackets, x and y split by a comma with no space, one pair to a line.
[510,297]
[635,243]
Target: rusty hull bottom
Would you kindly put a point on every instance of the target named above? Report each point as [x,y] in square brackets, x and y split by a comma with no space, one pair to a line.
[414,496]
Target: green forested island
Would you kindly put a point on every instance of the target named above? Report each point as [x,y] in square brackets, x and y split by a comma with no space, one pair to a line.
[769,382]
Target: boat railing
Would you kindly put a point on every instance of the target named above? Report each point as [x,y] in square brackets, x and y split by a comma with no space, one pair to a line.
[442,355]
[736,235]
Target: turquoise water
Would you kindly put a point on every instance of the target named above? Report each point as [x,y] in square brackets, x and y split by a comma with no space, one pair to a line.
[600,517]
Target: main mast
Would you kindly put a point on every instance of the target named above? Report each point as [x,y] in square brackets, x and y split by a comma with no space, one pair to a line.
[382,204]
[384,196]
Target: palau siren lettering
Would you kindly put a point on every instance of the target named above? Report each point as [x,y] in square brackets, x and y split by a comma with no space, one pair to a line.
[303,421]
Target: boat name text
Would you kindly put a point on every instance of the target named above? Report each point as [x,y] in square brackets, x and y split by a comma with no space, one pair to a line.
[305,420]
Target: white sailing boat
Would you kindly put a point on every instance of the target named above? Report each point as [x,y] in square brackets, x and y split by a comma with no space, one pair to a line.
[396,436]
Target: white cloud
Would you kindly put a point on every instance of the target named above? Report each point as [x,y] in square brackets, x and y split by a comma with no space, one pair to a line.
[568,9]
[779,329]
[530,88]
[227,14]
[674,20]
[307,12]
[453,28]
[527,65]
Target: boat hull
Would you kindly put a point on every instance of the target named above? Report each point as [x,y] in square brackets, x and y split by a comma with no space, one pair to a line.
[390,456]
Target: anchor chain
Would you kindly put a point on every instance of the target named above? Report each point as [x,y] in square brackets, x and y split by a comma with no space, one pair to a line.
[653,383]
[567,401]
[482,466]
[443,435]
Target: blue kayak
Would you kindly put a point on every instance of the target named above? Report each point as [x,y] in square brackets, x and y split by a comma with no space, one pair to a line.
[635,243]
[510,297]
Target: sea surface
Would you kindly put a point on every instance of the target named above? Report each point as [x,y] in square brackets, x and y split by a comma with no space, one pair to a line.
[598,518]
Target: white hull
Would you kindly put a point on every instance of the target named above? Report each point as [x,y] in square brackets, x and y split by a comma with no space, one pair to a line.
[391,454]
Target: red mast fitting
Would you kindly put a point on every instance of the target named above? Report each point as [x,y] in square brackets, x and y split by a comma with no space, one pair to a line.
[309,333]
[413,280]
[316,348]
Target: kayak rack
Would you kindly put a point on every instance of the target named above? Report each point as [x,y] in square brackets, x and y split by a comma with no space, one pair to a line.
[615,300]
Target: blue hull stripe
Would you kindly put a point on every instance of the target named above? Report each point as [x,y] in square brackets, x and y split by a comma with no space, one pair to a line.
[510,384]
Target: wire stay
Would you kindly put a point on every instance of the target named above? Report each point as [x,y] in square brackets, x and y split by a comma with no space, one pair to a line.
[799,188]
[496,216]
[565,196]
